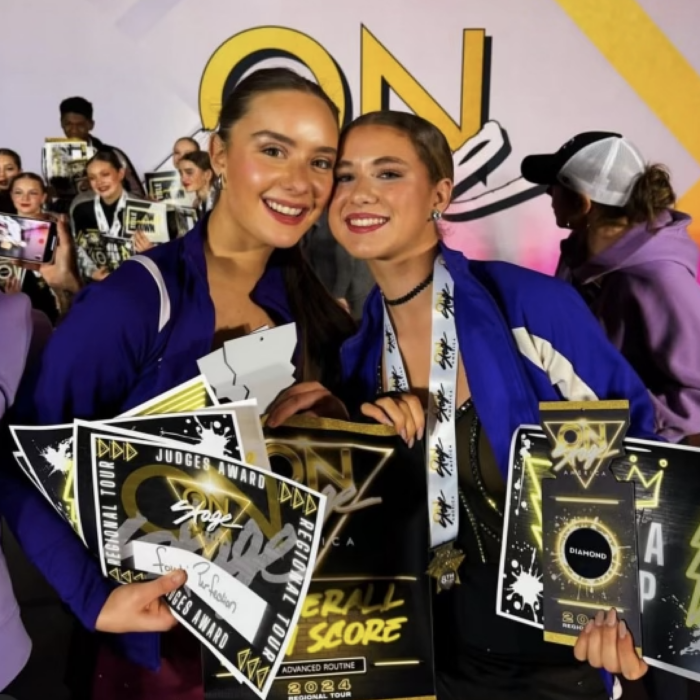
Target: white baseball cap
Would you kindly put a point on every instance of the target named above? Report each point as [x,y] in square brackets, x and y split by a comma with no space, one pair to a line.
[602,165]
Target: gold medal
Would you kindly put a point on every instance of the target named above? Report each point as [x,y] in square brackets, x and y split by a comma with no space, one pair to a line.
[445,565]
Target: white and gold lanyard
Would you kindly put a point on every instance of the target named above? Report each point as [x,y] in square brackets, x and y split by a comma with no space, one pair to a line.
[441,439]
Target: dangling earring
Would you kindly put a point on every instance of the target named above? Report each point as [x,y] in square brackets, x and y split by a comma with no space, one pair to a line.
[435,215]
[221,181]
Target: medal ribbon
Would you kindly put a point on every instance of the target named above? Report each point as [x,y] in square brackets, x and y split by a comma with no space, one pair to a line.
[102,224]
[441,442]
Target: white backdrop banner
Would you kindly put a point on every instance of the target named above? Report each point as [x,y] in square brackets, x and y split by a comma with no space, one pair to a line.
[501,79]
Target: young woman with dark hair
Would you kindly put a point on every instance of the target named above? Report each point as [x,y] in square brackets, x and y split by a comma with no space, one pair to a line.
[197,176]
[97,218]
[631,258]
[239,269]
[10,166]
[479,345]
[183,146]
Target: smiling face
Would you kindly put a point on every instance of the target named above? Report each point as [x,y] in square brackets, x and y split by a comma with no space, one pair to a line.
[105,180]
[384,196]
[278,166]
[28,196]
[8,169]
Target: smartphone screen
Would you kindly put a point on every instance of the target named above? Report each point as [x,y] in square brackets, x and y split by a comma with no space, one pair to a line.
[27,240]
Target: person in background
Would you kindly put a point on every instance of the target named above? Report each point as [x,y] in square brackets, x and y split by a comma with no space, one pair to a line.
[48,541]
[28,193]
[77,123]
[183,146]
[197,176]
[631,258]
[346,278]
[97,219]
[10,165]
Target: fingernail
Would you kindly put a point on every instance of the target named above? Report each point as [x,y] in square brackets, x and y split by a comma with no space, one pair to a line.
[611,619]
[177,577]
[420,434]
[589,626]
[599,618]
[403,435]
[411,443]
[622,629]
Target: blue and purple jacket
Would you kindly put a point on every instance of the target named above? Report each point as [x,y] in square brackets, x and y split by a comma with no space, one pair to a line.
[109,355]
[524,338]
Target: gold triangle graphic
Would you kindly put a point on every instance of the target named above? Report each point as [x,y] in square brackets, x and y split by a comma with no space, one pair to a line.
[126,576]
[285,493]
[261,677]
[129,452]
[298,501]
[584,464]
[252,667]
[117,450]
[310,505]
[102,448]
[242,658]
[140,577]
[114,573]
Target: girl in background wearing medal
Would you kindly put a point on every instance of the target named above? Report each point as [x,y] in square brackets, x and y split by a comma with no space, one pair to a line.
[502,339]
[239,269]
[97,219]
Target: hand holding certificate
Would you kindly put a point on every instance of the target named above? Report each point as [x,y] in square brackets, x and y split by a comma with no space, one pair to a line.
[168,491]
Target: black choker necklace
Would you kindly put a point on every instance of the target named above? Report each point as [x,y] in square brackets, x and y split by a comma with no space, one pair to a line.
[413,293]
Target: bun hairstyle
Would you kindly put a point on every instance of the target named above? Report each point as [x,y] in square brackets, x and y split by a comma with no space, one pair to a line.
[322,323]
[651,195]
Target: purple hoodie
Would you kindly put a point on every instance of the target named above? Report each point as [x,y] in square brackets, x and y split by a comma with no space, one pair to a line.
[643,290]
[15,339]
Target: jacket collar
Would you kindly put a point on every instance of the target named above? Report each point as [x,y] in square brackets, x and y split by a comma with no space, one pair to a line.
[495,372]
